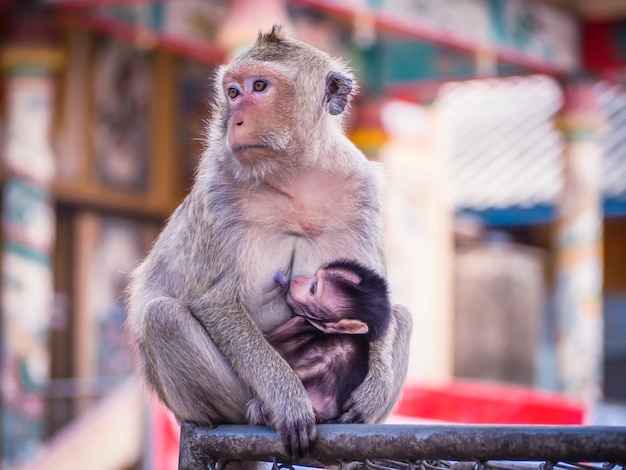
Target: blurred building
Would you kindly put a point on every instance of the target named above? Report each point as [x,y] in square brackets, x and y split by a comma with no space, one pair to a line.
[500,122]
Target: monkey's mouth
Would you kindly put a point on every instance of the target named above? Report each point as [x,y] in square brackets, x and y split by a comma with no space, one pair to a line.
[243,148]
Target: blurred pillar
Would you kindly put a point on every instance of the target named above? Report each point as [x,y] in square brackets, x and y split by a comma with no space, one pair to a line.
[418,229]
[579,247]
[28,237]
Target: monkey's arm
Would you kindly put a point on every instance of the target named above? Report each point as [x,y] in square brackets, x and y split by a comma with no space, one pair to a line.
[291,335]
[285,401]
[374,399]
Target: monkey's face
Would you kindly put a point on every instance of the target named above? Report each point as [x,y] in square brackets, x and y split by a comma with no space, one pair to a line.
[316,297]
[258,113]
[279,110]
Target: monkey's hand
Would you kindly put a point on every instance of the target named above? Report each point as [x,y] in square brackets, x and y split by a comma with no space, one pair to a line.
[296,427]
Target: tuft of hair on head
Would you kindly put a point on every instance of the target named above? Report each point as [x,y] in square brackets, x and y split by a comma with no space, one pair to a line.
[368,300]
[276,34]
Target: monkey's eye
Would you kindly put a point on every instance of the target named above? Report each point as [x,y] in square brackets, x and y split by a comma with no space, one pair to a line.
[233,93]
[259,85]
[313,288]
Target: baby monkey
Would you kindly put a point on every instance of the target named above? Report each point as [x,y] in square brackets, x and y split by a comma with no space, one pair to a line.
[338,311]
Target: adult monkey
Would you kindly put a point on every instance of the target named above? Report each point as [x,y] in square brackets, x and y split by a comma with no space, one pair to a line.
[279,187]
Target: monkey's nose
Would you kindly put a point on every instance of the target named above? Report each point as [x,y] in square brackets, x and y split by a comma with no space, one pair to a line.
[239,123]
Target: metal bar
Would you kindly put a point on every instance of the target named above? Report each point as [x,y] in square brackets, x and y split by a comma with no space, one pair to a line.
[350,442]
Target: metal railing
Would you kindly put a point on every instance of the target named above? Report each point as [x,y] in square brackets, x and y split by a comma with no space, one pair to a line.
[415,447]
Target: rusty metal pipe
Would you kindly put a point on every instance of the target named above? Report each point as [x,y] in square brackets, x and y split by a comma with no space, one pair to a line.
[410,442]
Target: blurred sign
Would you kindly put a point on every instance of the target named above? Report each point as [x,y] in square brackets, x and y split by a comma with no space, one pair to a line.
[517,32]
[465,18]
[536,29]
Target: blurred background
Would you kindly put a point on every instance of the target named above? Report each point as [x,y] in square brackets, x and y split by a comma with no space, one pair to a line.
[501,125]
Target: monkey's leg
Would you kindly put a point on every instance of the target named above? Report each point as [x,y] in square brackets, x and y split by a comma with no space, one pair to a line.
[374,399]
[186,369]
[400,351]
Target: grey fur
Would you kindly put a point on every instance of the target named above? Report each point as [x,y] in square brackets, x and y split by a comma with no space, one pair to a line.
[201,298]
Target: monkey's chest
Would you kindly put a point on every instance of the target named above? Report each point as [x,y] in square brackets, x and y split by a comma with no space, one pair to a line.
[312,235]
[295,235]
[311,221]
[285,246]
[313,204]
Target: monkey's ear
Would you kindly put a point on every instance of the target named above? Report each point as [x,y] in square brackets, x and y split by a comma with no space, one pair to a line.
[348,327]
[338,91]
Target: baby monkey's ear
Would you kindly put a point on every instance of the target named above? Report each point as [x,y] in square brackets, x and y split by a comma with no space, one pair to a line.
[347,327]
[339,88]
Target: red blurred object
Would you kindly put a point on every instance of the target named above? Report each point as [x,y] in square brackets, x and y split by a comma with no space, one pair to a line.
[164,438]
[604,44]
[478,403]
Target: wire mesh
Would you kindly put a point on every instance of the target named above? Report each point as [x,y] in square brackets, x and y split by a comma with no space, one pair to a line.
[505,148]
